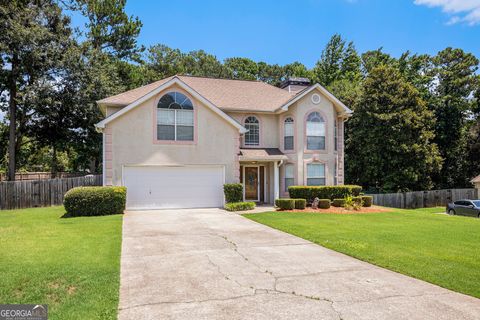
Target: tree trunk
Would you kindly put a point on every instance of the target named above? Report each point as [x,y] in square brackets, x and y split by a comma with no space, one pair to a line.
[54,164]
[12,113]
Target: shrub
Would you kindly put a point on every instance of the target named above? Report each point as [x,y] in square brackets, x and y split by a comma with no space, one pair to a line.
[323,192]
[324,203]
[300,204]
[233,192]
[95,201]
[285,204]
[358,200]
[239,206]
[352,203]
[338,202]
[367,201]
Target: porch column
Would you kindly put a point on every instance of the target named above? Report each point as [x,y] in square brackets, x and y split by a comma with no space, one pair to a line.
[276,181]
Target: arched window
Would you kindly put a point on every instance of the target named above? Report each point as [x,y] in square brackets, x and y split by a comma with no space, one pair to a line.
[175,120]
[288,133]
[315,131]
[252,137]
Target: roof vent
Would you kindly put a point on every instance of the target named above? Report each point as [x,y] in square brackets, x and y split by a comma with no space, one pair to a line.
[293,84]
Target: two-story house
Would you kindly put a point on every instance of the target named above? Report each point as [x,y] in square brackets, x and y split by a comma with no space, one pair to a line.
[175,142]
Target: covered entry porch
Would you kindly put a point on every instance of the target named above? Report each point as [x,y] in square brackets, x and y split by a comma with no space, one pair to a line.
[260,174]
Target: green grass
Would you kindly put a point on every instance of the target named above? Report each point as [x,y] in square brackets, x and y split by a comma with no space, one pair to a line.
[441,249]
[71,264]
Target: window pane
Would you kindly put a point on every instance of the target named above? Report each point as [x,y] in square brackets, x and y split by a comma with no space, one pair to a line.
[288,183]
[166,100]
[165,132]
[315,128]
[289,171]
[315,181]
[252,137]
[184,117]
[288,129]
[315,170]
[165,116]
[288,143]
[316,143]
[184,133]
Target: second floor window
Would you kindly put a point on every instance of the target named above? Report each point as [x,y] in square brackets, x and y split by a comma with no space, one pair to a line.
[175,118]
[252,137]
[315,132]
[288,130]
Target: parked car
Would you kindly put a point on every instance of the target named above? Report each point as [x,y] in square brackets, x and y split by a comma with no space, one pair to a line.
[464,208]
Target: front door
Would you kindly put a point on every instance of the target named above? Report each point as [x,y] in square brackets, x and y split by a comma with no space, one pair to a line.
[251,183]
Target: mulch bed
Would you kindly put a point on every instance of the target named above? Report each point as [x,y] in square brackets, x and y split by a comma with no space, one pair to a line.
[339,210]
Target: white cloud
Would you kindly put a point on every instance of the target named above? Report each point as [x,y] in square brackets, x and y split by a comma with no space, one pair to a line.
[466,11]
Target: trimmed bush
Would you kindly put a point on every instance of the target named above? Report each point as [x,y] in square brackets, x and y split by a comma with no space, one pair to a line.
[358,200]
[338,202]
[239,206]
[324,203]
[323,192]
[367,201]
[285,204]
[300,204]
[233,192]
[95,201]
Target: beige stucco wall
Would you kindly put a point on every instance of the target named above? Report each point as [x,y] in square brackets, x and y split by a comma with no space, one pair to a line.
[133,138]
[269,133]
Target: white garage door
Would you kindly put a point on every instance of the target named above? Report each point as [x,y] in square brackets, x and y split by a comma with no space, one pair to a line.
[159,187]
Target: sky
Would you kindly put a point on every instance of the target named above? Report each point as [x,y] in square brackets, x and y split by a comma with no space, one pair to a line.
[283,31]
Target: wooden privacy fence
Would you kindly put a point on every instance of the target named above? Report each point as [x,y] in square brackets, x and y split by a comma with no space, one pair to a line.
[423,199]
[41,175]
[41,193]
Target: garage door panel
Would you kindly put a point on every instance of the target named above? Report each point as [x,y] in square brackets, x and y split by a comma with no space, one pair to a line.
[158,187]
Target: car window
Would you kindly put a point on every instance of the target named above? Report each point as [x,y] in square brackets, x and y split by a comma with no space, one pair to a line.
[476,203]
[458,203]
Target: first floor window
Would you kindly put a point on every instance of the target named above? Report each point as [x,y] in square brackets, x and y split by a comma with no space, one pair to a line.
[175,118]
[289,174]
[315,174]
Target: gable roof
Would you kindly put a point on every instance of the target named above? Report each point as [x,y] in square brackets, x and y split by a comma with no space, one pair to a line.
[476,179]
[226,94]
[162,86]
[339,104]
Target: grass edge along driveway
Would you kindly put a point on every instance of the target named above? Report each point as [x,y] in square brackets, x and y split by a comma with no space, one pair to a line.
[440,249]
[71,264]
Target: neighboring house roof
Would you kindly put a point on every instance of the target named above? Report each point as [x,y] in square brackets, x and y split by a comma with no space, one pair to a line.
[244,95]
[476,179]
[260,154]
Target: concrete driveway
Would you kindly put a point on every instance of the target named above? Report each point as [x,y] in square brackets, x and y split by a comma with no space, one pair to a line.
[210,264]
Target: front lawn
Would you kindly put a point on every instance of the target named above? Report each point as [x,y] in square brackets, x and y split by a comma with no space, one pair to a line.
[441,249]
[71,264]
